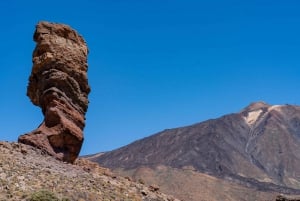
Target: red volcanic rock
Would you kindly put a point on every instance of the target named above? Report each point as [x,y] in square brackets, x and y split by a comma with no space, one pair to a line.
[58,84]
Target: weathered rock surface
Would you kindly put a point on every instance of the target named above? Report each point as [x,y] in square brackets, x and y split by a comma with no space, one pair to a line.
[58,84]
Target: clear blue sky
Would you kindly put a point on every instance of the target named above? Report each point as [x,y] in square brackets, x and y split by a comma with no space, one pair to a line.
[156,64]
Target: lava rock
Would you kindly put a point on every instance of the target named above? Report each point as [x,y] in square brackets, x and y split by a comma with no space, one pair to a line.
[59,85]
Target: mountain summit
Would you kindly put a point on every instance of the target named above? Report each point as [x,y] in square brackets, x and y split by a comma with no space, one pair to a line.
[258,148]
[256,106]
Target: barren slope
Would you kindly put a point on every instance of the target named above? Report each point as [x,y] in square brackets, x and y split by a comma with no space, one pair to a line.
[25,170]
[258,148]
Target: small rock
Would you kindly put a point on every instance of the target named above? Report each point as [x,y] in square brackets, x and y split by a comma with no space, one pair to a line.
[3,176]
[153,188]
[21,177]
[144,193]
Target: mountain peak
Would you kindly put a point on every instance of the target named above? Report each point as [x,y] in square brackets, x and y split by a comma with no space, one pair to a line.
[260,105]
[252,149]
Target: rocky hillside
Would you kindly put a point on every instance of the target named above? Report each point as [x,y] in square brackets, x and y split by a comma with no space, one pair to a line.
[29,174]
[257,148]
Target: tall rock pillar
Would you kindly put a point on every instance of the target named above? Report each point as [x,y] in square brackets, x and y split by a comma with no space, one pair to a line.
[58,84]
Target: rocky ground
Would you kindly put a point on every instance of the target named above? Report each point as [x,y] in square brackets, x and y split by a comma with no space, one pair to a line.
[26,172]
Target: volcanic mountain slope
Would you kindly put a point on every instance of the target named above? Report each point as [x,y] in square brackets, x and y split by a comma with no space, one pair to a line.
[257,148]
[29,174]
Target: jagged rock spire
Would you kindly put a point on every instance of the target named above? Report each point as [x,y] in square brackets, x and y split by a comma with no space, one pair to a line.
[58,84]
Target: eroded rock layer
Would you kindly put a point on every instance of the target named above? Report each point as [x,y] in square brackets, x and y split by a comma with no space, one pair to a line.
[58,84]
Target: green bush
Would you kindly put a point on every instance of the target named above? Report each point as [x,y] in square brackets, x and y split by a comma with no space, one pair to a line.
[43,195]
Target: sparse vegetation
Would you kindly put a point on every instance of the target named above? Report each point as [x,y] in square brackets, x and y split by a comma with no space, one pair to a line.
[44,195]
[141,181]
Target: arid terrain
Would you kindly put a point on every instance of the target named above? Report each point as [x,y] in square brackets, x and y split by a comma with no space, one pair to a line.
[250,155]
[26,172]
